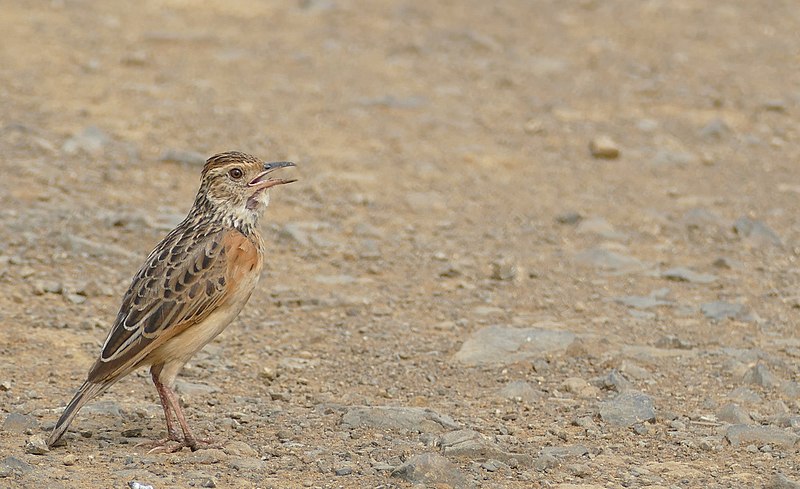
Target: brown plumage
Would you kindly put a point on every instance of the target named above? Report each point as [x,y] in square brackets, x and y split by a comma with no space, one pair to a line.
[192,285]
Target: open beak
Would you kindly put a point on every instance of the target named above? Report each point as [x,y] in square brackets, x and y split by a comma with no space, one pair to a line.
[263,181]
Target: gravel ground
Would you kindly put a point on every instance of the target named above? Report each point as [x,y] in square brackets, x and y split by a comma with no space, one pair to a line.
[533,244]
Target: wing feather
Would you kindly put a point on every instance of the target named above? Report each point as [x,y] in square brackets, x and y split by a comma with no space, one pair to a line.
[193,269]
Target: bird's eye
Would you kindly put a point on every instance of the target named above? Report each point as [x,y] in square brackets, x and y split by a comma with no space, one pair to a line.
[236,173]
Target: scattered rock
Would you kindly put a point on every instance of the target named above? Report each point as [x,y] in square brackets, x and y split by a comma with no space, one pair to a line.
[504,345]
[5,385]
[580,387]
[91,141]
[343,471]
[506,270]
[19,423]
[719,310]
[664,157]
[192,389]
[603,147]
[609,260]
[475,446]
[69,459]
[613,380]
[760,375]
[744,395]
[138,485]
[740,434]
[756,232]
[627,409]
[183,156]
[397,418]
[681,274]
[36,445]
[714,129]
[565,452]
[431,469]
[570,217]
[521,391]
[734,414]
[642,302]
[11,466]
[780,481]
[47,287]
[673,342]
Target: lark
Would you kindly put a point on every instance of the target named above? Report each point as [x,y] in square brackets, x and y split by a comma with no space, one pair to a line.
[192,285]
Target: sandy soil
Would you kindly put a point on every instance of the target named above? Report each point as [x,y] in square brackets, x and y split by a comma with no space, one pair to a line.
[446,186]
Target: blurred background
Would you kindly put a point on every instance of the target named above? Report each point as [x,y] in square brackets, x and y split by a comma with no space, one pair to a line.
[567,229]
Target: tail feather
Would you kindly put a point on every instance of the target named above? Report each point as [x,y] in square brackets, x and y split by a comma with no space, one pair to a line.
[87,392]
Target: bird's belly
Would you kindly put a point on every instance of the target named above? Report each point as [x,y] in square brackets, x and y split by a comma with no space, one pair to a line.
[182,347]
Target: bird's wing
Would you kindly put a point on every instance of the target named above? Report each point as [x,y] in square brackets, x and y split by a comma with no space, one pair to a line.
[189,274]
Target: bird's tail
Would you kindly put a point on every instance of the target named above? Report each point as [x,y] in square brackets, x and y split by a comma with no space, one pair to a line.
[87,392]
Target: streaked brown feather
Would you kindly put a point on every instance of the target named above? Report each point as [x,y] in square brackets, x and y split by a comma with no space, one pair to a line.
[198,261]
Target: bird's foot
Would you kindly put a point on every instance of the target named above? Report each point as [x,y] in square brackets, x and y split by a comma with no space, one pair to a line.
[172,445]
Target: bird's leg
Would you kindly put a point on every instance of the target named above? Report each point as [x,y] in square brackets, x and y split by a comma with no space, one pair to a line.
[172,433]
[173,436]
[188,438]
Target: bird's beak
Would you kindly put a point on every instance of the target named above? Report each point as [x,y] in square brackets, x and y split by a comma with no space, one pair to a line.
[262,181]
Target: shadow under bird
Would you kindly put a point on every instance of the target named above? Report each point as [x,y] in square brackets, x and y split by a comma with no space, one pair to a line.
[192,285]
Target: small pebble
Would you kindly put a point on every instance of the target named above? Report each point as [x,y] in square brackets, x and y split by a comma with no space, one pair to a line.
[69,459]
[603,147]
[36,445]
[344,471]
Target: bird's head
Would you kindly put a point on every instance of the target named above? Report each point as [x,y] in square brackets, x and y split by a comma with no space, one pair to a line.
[235,186]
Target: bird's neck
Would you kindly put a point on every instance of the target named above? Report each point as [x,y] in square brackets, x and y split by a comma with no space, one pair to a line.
[237,217]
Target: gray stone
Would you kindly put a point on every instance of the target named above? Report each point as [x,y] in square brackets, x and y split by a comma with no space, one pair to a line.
[431,469]
[627,409]
[756,232]
[668,158]
[719,310]
[740,434]
[715,129]
[91,141]
[759,374]
[521,391]
[733,414]
[505,345]
[105,408]
[413,419]
[194,389]
[36,445]
[790,389]
[570,217]
[744,395]
[183,156]
[472,445]
[19,423]
[545,462]
[11,466]
[780,481]
[613,380]
[609,260]
[673,342]
[641,302]
[565,452]
[343,471]
[682,274]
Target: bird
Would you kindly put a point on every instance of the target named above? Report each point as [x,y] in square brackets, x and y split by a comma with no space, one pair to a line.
[190,287]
